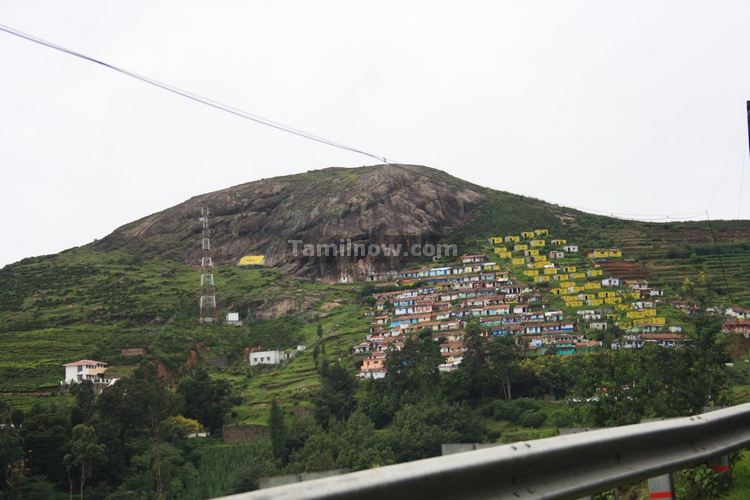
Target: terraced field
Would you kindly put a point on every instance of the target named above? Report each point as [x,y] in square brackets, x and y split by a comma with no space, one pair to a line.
[672,253]
[98,303]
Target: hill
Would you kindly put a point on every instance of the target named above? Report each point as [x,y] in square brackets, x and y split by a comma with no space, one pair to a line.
[138,286]
[323,206]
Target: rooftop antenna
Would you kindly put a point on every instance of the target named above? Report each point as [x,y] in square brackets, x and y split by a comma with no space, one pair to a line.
[208,292]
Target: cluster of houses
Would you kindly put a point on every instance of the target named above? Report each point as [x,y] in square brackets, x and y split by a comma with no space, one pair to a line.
[547,296]
[582,283]
[447,298]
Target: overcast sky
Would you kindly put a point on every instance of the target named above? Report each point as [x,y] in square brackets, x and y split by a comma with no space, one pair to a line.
[624,107]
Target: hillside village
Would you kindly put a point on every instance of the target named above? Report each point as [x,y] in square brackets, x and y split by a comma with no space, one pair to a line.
[546,293]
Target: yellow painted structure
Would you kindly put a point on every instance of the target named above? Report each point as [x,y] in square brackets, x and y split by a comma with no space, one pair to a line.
[517,261]
[511,239]
[574,303]
[569,269]
[595,302]
[541,232]
[501,249]
[539,264]
[603,253]
[592,285]
[550,270]
[594,272]
[520,247]
[527,234]
[578,275]
[531,273]
[496,240]
[504,255]
[559,242]
[529,253]
[537,243]
[650,321]
[613,300]
[541,279]
[252,260]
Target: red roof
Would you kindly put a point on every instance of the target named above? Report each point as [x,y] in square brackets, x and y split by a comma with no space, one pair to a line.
[85,362]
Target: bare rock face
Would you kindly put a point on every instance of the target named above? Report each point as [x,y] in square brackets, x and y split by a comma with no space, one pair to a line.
[387,203]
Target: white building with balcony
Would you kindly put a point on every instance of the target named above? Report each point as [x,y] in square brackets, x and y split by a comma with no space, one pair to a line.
[86,369]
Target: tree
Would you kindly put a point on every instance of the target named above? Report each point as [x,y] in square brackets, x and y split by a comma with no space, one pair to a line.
[206,400]
[320,331]
[85,398]
[177,427]
[335,398]
[316,354]
[419,430]
[84,451]
[474,362]
[137,406]
[46,434]
[503,355]
[11,447]
[413,370]
[278,431]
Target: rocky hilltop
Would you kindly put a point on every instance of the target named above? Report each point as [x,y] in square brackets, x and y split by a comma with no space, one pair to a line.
[390,202]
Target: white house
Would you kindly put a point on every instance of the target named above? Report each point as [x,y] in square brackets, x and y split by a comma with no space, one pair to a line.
[737,312]
[268,357]
[571,248]
[233,319]
[86,369]
[556,254]
[611,282]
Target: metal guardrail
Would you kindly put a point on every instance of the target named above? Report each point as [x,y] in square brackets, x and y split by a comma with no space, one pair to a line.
[572,465]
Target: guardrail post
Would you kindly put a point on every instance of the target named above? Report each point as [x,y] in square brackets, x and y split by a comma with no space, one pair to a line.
[661,487]
[720,465]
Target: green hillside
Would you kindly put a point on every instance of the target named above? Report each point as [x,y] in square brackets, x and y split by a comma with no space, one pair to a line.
[91,302]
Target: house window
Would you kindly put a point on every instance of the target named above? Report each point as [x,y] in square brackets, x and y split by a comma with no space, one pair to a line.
[80,368]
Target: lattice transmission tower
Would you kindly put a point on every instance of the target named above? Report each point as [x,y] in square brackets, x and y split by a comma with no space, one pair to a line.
[207,290]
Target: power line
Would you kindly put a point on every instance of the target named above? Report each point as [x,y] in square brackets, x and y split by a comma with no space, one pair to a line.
[641,216]
[189,95]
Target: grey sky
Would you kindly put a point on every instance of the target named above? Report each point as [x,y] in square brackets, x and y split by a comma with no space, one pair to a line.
[626,107]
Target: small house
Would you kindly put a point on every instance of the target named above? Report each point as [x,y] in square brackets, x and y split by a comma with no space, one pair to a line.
[275,357]
[737,312]
[233,319]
